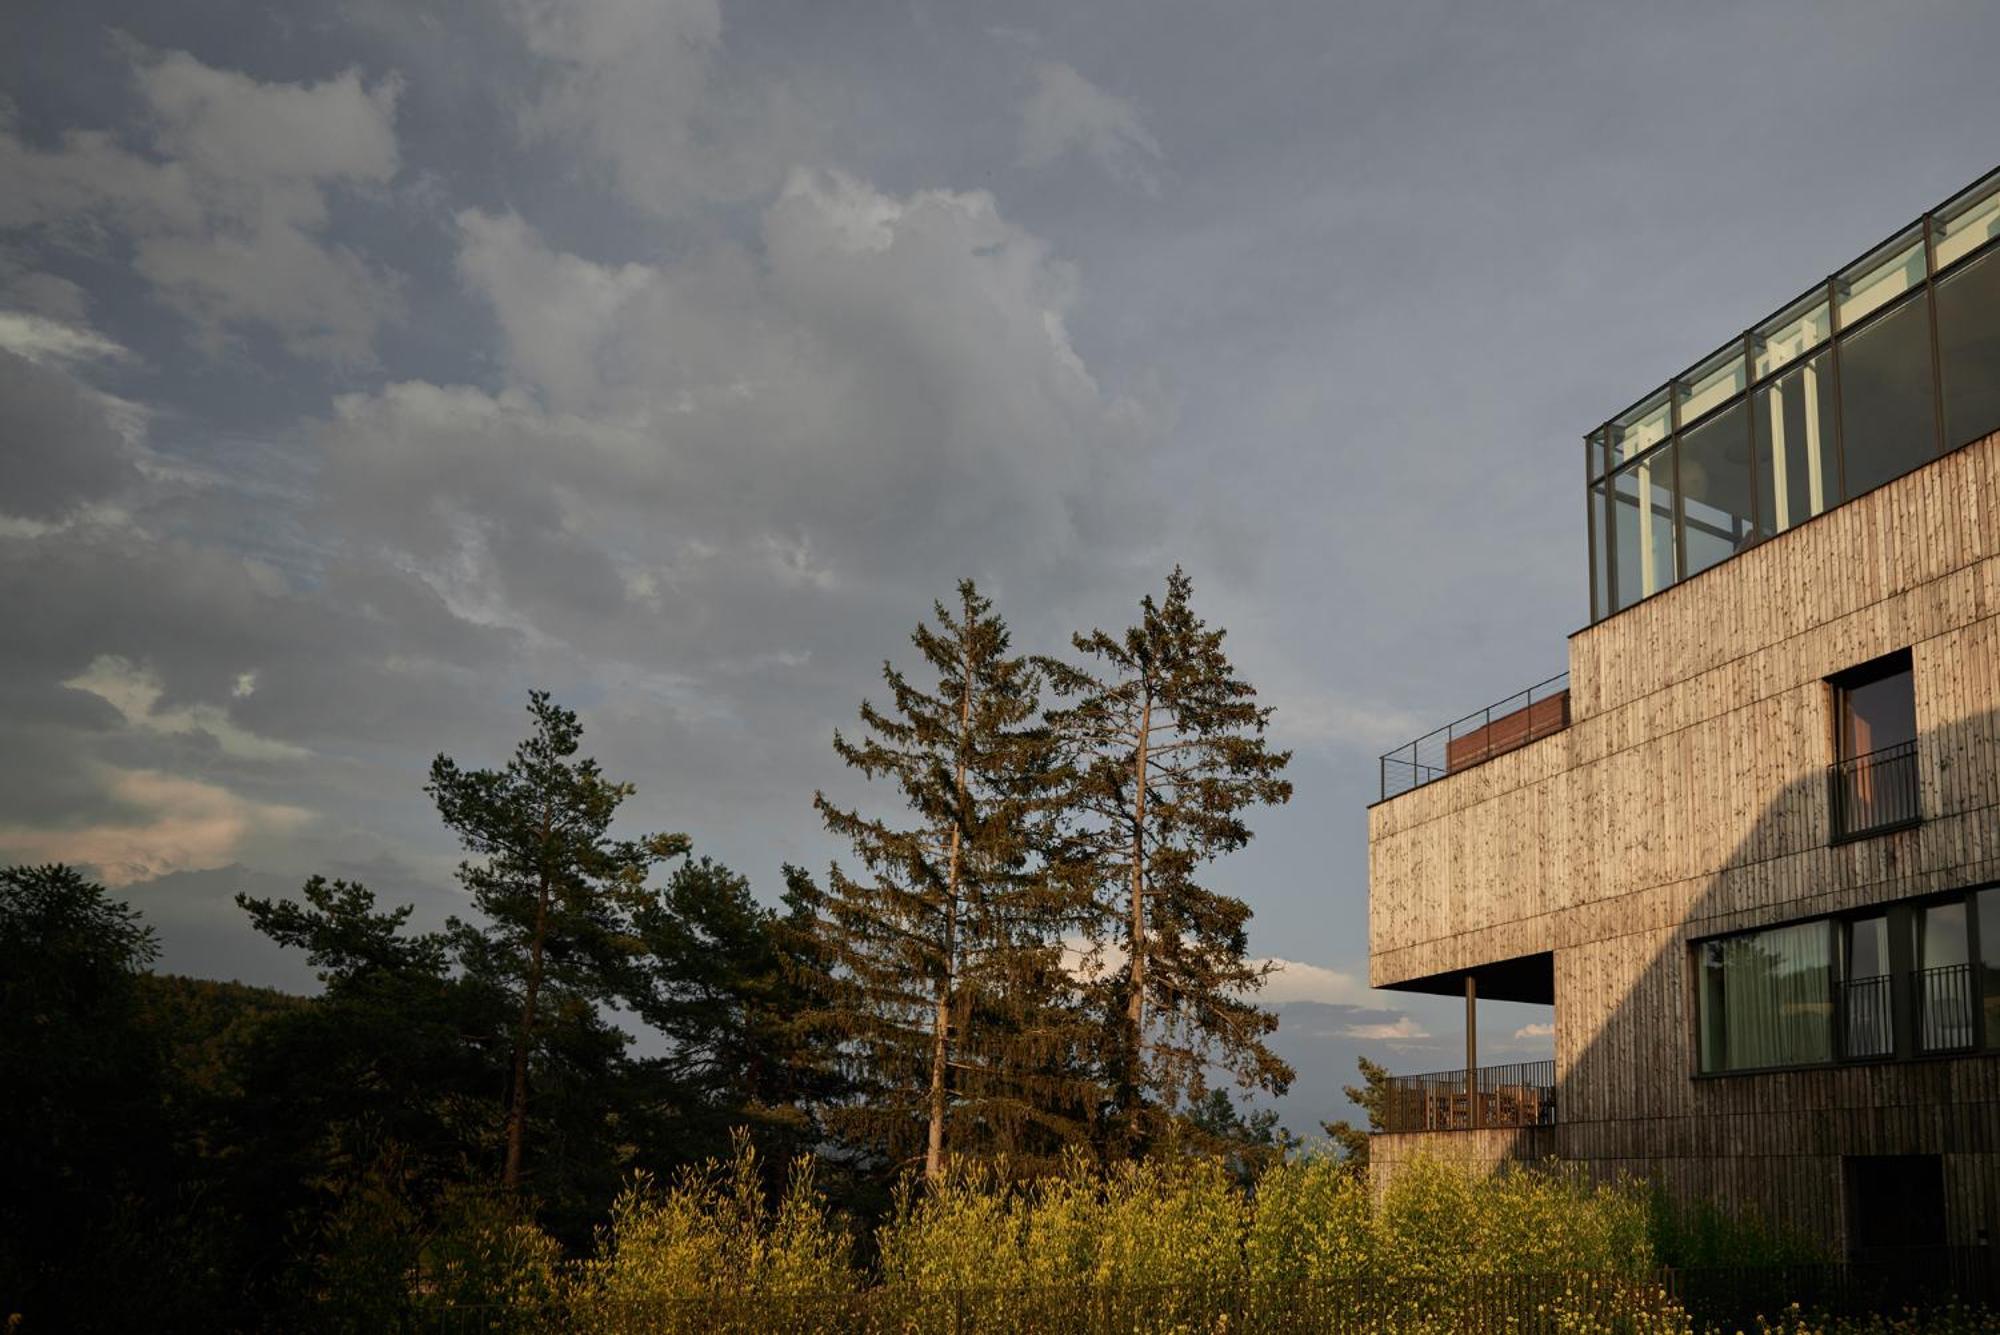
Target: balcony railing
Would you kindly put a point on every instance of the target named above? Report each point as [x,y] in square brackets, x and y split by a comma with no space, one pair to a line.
[1873,793]
[1945,997]
[1503,726]
[1867,1016]
[1523,1094]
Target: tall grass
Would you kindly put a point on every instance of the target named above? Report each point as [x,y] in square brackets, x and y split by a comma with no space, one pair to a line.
[1170,1243]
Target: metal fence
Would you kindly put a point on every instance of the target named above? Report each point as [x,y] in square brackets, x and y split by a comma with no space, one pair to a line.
[1521,1094]
[1503,726]
[1867,1019]
[1872,793]
[1715,1298]
[1945,997]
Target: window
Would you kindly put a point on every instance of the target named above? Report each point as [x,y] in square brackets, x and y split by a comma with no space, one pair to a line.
[1766,998]
[1986,908]
[1642,526]
[1715,488]
[1918,978]
[1888,418]
[1797,473]
[1942,984]
[1968,306]
[1867,999]
[1872,786]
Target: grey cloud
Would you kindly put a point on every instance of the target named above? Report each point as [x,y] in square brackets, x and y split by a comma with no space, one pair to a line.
[58,450]
[1067,113]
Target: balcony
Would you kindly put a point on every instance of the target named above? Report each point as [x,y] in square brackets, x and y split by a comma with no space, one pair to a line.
[1520,1095]
[1874,793]
[1504,726]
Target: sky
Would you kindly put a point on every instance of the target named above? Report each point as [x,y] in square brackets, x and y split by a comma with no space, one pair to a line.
[366,364]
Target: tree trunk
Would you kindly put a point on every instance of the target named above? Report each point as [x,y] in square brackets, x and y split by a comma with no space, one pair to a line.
[517,1110]
[1135,1004]
[941,1034]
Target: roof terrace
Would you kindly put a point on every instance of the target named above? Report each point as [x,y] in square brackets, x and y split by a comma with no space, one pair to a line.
[1886,365]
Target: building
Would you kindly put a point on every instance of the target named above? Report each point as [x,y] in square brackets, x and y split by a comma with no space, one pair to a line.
[1748,847]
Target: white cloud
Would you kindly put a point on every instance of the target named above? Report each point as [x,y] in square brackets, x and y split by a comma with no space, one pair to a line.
[135,692]
[227,212]
[1403,1027]
[1535,1031]
[49,342]
[1292,980]
[1068,113]
[175,824]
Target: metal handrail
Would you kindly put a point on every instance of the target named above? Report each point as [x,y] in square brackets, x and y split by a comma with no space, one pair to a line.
[1503,726]
[1870,793]
[1944,998]
[1515,1095]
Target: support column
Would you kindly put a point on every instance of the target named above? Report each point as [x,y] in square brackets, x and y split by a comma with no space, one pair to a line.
[1472,1114]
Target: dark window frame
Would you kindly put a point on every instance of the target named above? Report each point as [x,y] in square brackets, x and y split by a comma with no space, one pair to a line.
[1904,1048]
[1840,686]
[1598,444]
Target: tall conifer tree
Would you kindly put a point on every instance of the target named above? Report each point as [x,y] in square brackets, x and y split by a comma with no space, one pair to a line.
[946,952]
[1166,750]
[558,894]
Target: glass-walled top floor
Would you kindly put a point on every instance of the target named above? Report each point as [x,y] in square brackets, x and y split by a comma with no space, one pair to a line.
[1886,365]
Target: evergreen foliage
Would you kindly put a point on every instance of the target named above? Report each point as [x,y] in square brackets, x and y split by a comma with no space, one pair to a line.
[557,896]
[1166,755]
[946,985]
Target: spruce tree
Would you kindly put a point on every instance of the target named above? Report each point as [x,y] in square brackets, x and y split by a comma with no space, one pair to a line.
[944,951]
[558,895]
[1166,752]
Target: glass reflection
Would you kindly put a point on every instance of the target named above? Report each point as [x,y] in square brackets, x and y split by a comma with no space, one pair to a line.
[1968,306]
[1715,488]
[1887,412]
[1643,525]
[1797,474]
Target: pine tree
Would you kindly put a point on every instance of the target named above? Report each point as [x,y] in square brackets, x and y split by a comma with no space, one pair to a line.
[945,957]
[1372,1097]
[1166,749]
[558,894]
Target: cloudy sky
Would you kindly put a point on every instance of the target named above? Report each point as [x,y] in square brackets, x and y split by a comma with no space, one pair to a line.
[365,363]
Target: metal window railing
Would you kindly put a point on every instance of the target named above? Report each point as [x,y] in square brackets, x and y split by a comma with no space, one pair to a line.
[1866,1007]
[1503,726]
[1944,998]
[1873,793]
[1521,1094]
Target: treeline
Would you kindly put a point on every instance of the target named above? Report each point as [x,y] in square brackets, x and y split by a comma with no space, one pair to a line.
[1021,966]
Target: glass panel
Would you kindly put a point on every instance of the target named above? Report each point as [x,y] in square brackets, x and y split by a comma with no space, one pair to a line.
[1989,959]
[1877,714]
[1600,553]
[1712,384]
[1796,331]
[1643,527]
[1715,488]
[1641,429]
[1968,222]
[1766,999]
[1887,417]
[1968,315]
[1944,977]
[1797,475]
[1882,277]
[1867,1010]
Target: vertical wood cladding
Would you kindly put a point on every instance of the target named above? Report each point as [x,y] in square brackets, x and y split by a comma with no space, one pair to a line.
[1688,797]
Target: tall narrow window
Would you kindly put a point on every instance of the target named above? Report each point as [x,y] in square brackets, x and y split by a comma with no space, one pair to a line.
[1943,982]
[1797,473]
[1867,995]
[1968,312]
[1873,783]
[1715,488]
[1988,912]
[1643,526]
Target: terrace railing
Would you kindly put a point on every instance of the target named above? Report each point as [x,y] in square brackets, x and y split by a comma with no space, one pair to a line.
[1873,793]
[1503,726]
[1522,1094]
[1945,997]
